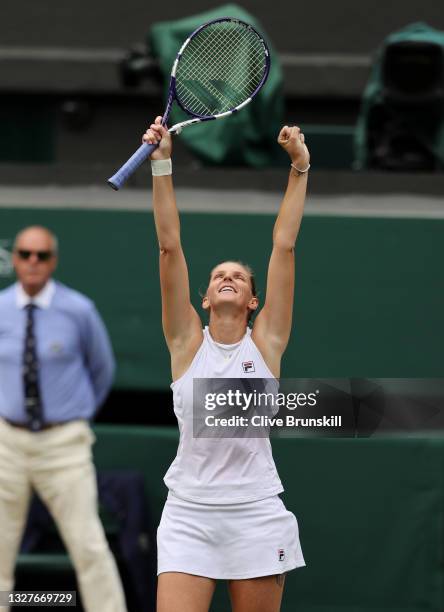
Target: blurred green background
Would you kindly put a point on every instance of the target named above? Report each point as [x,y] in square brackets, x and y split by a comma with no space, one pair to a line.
[369,292]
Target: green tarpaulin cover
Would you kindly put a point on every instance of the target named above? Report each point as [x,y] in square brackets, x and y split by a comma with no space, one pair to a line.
[247,137]
[374,93]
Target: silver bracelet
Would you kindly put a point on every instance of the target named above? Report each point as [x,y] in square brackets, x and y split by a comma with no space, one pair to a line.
[300,171]
[161,167]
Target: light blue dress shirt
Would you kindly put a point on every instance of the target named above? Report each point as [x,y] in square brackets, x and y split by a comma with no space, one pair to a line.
[76,362]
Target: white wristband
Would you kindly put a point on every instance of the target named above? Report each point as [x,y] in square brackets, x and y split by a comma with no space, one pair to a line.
[161,167]
[300,171]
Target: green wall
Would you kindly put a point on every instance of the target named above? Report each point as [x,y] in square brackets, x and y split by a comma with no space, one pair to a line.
[369,292]
[370,515]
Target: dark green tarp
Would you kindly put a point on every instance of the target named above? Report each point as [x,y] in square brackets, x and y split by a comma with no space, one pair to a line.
[246,138]
[374,94]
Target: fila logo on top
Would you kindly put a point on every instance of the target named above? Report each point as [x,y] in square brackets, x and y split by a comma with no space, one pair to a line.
[248,367]
[281,554]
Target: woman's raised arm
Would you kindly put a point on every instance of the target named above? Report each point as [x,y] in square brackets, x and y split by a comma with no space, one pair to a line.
[181,323]
[272,326]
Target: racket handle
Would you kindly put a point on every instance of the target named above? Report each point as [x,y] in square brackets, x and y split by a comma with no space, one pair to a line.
[120,177]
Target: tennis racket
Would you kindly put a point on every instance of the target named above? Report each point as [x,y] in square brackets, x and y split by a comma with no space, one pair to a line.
[218,70]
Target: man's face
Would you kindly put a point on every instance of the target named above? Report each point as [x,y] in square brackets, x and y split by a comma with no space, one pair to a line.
[34,259]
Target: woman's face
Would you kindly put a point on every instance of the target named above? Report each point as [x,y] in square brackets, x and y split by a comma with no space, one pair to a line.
[230,288]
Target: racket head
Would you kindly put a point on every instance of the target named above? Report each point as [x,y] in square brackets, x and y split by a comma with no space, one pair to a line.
[220,68]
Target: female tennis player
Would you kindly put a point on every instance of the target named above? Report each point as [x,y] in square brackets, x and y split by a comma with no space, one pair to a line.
[223,518]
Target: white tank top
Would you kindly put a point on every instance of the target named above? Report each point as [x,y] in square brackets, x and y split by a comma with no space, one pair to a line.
[220,470]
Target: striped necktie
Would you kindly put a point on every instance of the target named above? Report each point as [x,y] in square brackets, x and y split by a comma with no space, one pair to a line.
[33,402]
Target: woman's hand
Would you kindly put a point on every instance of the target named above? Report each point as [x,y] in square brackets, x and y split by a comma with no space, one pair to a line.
[158,134]
[292,140]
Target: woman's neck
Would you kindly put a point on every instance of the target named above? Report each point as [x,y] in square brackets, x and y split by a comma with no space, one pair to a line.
[227,330]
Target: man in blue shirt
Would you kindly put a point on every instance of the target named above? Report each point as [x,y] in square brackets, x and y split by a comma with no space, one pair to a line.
[56,368]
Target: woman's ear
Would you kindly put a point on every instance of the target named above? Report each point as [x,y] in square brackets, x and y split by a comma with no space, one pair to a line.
[253,303]
[205,303]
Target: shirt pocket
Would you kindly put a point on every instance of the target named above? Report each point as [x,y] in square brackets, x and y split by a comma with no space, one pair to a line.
[59,344]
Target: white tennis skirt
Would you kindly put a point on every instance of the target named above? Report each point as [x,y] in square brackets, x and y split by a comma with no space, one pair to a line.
[228,541]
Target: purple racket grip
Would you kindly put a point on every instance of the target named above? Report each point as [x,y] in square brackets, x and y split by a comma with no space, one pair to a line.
[120,177]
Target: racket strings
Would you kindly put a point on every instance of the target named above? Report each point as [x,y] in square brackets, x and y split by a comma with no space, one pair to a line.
[220,52]
[220,68]
[221,58]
